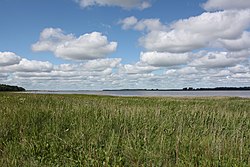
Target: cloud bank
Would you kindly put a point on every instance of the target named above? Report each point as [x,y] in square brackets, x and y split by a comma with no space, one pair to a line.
[198,32]
[207,50]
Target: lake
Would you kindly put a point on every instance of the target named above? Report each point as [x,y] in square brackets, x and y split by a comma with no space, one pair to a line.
[154,93]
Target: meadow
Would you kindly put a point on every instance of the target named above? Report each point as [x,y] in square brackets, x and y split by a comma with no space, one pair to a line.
[89,130]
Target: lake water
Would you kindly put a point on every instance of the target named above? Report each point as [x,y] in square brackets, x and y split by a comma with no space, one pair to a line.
[154,93]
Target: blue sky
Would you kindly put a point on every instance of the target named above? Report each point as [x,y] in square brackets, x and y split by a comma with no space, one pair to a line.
[112,44]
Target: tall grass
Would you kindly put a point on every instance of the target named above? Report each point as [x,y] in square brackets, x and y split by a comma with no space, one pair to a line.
[82,130]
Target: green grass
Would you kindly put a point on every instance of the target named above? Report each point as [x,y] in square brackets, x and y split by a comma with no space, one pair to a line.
[82,130]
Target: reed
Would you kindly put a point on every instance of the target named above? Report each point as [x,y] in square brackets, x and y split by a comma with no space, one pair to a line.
[88,130]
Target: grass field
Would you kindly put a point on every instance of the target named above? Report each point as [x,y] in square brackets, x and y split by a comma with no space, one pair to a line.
[83,130]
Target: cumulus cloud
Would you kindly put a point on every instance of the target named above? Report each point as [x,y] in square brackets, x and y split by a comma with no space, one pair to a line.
[50,38]
[198,32]
[180,47]
[239,68]
[128,4]
[9,58]
[141,25]
[224,24]
[33,66]
[33,74]
[66,67]
[46,69]
[102,64]
[226,4]
[86,47]
[187,71]
[137,68]
[90,66]
[182,71]
[241,43]
[222,73]
[173,41]
[29,66]
[128,22]
[215,60]
[241,76]
[164,59]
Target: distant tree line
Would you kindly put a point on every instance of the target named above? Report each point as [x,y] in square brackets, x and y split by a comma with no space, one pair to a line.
[217,88]
[4,87]
[185,89]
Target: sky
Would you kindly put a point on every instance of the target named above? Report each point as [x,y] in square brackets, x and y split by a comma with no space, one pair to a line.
[117,44]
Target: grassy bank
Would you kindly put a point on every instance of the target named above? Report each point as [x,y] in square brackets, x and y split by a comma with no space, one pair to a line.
[81,130]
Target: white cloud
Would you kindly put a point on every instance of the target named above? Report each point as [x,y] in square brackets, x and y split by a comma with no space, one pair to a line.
[226,4]
[171,72]
[222,73]
[175,48]
[198,32]
[33,66]
[66,67]
[90,66]
[127,4]
[50,38]
[164,59]
[86,47]
[138,68]
[149,25]
[52,75]
[240,69]
[243,54]
[224,24]
[173,41]
[34,74]
[102,64]
[29,66]
[241,43]
[187,70]
[215,60]
[9,58]
[182,71]
[128,22]
[240,76]
[141,25]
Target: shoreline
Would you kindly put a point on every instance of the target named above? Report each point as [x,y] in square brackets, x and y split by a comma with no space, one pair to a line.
[195,94]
